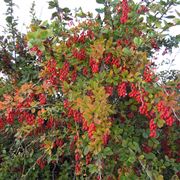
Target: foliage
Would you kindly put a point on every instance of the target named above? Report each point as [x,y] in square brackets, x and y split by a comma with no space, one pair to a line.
[82,101]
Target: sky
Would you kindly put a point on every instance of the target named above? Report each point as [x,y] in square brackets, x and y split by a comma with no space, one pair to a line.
[22,13]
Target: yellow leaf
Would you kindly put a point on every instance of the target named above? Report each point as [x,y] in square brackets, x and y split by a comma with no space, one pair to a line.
[48,145]
[160,123]
[97,49]
[159,177]
[2,106]
[33,110]
[109,43]
[18,98]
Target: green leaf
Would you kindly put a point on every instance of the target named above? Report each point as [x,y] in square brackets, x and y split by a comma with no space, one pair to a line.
[146,134]
[49,159]
[124,143]
[51,5]
[55,14]
[100,1]
[99,10]
[107,151]
[66,10]
[160,123]
[137,41]
[178,13]
[170,17]
[149,156]
[44,34]
[132,159]
[31,35]
[86,150]
[133,107]
[9,19]
[126,51]
[92,168]
[177,21]
[124,74]
[167,26]
[124,178]
[158,24]
[135,146]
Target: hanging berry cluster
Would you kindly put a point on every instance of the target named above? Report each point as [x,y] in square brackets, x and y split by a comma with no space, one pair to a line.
[125,11]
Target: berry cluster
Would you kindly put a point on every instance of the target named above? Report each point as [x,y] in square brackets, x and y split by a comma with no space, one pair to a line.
[50,123]
[28,117]
[136,32]
[59,143]
[41,163]
[94,65]
[166,148]
[52,71]
[88,159]
[63,72]
[143,109]
[125,11]
[109,90]
[42,99]
[143,9]
[71,113]
[1,123]
[85,71]
[121,89]
[147,149]
[153,128]
[85,35]
[154,44]
[165,113]
[79,54]
[135,93]
[37,51]
[77,168]
[148,74]
[108,58]
[105,139]
[10,117]
[115,62]
[77,116]
[40,122]
[91,130]
[73,75]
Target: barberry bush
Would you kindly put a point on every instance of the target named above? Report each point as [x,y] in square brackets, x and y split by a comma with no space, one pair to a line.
[81,99]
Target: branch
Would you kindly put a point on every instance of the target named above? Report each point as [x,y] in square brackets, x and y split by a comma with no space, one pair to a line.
[148,172]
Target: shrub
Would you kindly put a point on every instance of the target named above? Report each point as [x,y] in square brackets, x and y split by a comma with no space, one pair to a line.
[84,101]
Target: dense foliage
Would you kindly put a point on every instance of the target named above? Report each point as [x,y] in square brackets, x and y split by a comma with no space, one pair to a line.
[80,98]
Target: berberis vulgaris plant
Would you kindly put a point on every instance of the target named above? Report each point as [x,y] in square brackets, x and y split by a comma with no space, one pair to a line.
[81,99]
